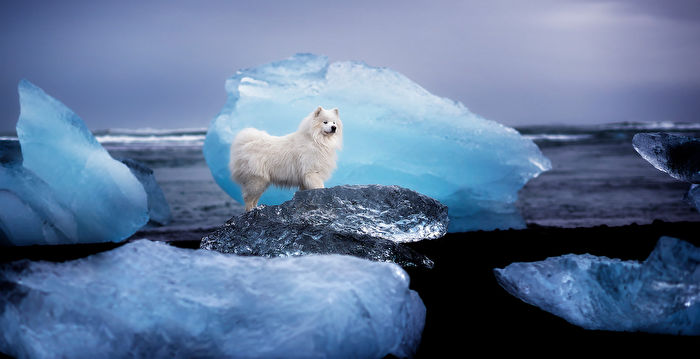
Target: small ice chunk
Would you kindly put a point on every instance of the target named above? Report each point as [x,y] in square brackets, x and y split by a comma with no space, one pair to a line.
[679,156]
[151,300]
[158,208]
[660,295]
[108,202]
[693,196]
[366,221]
[395,133]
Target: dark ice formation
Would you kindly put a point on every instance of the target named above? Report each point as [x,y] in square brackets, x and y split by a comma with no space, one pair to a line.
[151,300]
[693,196]
[679,156]
[10,153]
[158,208]
[659,295]
[368,221]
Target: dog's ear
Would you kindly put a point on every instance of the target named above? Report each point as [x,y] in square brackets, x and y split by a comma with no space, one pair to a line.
[318,111]
[336,111]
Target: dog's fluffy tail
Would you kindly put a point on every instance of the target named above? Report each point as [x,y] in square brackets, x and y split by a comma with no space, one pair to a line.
[245,154]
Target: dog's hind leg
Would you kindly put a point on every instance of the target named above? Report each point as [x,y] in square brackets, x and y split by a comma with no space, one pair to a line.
[252,192]
[312,180]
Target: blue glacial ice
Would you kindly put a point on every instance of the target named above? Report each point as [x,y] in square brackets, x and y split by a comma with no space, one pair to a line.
[396,133]
[659,295]
[106,200]
[158,208]
[151,300]
[679,156]
[30,212]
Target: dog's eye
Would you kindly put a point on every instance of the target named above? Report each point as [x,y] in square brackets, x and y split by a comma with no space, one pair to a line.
[325,122]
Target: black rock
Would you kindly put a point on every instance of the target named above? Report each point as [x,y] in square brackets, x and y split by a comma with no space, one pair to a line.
[368,221]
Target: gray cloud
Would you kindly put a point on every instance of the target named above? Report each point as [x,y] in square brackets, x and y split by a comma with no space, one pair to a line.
[674,9]
[164,63]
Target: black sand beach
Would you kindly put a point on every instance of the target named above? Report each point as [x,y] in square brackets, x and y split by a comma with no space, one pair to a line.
[466,308]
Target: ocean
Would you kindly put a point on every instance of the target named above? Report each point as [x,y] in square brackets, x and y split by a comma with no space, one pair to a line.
[597,178]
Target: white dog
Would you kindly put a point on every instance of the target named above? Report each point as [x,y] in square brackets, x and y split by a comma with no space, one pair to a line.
[304,159]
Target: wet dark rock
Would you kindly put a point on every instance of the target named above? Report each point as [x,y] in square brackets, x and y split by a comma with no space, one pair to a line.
[368,221]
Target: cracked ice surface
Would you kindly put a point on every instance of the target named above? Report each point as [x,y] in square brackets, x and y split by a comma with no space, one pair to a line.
[151,300]
[395,133]
[659,295]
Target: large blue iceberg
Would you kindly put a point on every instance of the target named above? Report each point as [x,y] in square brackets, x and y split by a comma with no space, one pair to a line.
[205,304]
[107,201]
[659,295]
[395,133]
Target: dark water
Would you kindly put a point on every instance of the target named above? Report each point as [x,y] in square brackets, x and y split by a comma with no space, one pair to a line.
[597,177]
[195,200]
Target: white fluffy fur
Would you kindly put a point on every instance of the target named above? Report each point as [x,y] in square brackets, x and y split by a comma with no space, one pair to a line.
[304,159]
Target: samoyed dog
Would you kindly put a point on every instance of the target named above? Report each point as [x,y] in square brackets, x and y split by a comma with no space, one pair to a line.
[303,159]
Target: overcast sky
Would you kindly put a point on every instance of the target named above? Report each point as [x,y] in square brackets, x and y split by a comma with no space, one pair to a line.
[162,64]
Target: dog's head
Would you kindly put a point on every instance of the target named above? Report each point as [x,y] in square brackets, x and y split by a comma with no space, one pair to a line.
[325,127]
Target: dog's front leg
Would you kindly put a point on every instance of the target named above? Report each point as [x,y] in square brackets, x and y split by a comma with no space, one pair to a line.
[312,180]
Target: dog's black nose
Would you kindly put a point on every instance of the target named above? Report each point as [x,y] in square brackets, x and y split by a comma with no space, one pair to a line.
[332,128]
